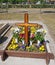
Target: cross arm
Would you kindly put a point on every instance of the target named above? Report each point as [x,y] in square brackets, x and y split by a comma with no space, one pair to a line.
[20,24]
[35,25]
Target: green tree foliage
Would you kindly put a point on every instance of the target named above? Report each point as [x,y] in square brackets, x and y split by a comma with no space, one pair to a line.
[42,1]
[33,1]
[5,0]
[20,1]
[1,1]
[10,1]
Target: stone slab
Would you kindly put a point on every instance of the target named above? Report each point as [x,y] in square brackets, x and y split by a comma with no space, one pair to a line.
[24,61]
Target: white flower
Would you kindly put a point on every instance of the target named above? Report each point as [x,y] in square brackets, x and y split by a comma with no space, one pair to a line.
[41,30]
[16,29]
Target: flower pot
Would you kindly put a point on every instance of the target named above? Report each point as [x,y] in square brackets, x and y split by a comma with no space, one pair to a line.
[30,42]
[23,42]
[38,42]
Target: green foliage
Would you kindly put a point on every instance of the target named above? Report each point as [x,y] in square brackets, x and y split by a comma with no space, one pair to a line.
[16,1]
[31,48]
[22,6]
[41,1]
[43,6]
[36,6]
[39,36]
[1,1]
[15,35]
[10,1]
[32,6]
[33,1]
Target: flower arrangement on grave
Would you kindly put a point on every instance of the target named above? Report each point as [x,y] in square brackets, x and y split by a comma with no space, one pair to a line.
[40,37]
[36,35]
[40,34]
[18,39]
[14,42]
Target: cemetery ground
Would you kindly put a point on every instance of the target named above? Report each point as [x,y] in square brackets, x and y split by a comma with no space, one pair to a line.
[34,15]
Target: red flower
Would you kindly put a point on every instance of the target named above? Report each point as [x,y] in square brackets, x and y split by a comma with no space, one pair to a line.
[22,35]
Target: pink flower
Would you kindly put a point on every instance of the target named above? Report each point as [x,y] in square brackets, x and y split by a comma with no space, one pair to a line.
[32,35]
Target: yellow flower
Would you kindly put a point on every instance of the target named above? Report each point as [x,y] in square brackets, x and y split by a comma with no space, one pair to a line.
[33,46]
[19,26]
[23,28]
[33,29]
[43,49]
[22,32]
[13,47]
[16,45]
[42,46]
[27,47]
[44,31]
[11,42]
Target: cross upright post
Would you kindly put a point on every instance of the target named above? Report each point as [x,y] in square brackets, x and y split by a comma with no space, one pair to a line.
[26,27]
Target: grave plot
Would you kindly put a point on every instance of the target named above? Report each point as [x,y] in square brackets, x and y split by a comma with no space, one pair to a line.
[27,40]
[1,25]
[4,36]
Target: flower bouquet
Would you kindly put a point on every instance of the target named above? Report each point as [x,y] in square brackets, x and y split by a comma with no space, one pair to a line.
[36,39]
[17,41]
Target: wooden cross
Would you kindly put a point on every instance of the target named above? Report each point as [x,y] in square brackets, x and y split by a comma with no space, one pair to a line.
[26,25]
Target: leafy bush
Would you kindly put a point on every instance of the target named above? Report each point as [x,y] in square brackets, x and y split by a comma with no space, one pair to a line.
[28,6]
[9,6]
[36,6]
[43,6]
[22,6]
